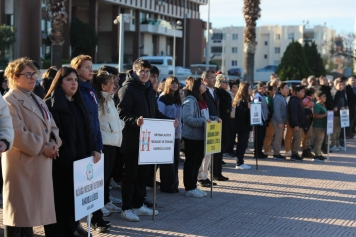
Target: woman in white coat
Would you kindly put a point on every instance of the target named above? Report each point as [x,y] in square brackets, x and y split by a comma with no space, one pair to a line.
[111,127]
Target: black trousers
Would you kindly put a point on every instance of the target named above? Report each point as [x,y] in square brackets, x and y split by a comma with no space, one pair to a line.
[14,231]
[350,129]
[109,161]
[232,137]
[194,154]
[169,172]
[258,137]
[217,160]
[241,147]
[134,182]
[118,169]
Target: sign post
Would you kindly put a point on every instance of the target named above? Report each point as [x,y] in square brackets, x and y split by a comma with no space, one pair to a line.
[329,129]
[344,122]
[157,137]
[212,145]
[256,120]
[88,187]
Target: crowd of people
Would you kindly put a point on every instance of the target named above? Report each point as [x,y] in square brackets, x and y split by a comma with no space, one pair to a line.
[75,113]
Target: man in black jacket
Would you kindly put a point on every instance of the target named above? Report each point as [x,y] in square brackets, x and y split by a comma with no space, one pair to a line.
[296,119]
[351,100]
[325,88]
[137,101]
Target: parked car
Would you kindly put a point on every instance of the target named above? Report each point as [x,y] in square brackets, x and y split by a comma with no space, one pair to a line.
[235,72]
[268,68]
[291,83]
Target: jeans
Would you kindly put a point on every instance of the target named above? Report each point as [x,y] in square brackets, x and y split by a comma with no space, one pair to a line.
[169,172]
[194,154]
[242,144]
[109,161]
[278,135]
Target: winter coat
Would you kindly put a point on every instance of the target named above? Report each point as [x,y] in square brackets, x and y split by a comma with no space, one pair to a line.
[136,100]
[225,105]
[6,128]
[280,109]
[296,114]
[169,109]
[351,100]
[111,125]
[212,102]
[329,98]
[242,117]
[339,101]
[27,172]
[91,103]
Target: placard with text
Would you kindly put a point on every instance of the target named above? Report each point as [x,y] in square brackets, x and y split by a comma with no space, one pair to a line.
[212,137]
[344,118]
[330,123]
[256,114]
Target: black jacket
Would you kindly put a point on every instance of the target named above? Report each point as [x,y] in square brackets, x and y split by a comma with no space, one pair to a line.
[329,98]
[136,100]
[351,100]
[296,114]
[339,101]
[242,117]
[213,103]
[225,105]
[61,114]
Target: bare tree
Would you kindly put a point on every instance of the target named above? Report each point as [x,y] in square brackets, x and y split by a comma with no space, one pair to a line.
[252,12]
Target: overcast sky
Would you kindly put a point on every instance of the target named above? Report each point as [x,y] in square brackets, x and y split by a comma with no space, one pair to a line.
[338,14]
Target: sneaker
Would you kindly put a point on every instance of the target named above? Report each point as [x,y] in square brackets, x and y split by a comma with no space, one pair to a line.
[248,151]
[115,200]
[202,192]
[209,182]
[261,156]
[99,226]
[342,148]
[113,184]
[220,178]
[105,211]
[269,153]
[288,153]
[112,208]
[204,182]
[334,149]
[129,215]
[319,157]
[193,193]
[296,157]
[144,211]
[243,167]
[279,157]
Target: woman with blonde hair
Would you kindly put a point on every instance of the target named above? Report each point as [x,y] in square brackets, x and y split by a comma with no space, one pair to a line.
[27,166]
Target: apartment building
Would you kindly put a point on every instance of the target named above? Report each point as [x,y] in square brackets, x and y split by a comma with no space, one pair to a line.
[148,32]
[226,47]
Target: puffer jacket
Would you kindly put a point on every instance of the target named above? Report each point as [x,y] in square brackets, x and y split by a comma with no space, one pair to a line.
[111,125]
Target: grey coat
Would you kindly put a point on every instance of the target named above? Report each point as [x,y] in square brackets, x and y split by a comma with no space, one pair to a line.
[280,109]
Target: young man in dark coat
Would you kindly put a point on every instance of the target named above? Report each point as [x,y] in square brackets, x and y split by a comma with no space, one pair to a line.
[351,100]
[137,101]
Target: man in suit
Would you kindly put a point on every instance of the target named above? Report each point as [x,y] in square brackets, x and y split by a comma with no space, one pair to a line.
[213,105]
[351,99]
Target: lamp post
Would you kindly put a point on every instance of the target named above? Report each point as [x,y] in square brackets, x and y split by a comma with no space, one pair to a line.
[207,48]
[176,25]
[121,19]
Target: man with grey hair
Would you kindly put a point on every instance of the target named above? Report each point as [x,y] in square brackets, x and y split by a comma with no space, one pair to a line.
[311,82]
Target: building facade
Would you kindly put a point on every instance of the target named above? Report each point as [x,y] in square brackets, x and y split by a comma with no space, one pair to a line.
[149,30]
[226,47]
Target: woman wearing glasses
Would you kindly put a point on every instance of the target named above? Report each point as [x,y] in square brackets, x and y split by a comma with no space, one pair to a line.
[27,166]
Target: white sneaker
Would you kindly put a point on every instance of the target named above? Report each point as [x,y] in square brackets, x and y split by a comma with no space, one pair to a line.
[105,211]
[113,184]
[115,200]
[248,151]
[288,153]
[342,148]
[334,149]
[202,192]
[193,193]
[144,211]
[129,215]
[112,208]
[243,167]
[269,153]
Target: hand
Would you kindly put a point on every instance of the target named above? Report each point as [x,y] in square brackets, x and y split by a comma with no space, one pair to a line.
[280,125]
[208,121]
[96,156]
[140,121]
[249,105]
[176,123]
[335,109]
[296,128]
[3,147]
[50,150]
[219,120]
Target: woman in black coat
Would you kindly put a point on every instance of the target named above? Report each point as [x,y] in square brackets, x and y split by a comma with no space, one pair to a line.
[242,102]
[68,110]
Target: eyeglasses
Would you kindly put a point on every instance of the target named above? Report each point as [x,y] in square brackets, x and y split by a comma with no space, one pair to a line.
[30,75]
[148,72]
[224,82]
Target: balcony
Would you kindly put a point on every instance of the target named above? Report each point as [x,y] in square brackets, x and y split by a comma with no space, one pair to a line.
[159,27]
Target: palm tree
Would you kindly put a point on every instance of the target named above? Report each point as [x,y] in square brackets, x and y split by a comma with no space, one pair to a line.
[58,16]
[252,12]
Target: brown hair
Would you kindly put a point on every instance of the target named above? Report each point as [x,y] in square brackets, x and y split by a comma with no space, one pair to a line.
[102,77]
[76,62]
[176,97]
[15,67]
[242,93]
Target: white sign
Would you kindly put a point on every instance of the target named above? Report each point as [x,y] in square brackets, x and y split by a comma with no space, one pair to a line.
[157,137]
[344,118]
[88,186]
[330,123]
[256,113]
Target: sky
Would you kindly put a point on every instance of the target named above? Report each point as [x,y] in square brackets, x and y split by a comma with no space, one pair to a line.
[338,15]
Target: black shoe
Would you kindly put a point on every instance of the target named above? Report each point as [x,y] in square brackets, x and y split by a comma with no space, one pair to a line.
[148,203]
[81,232]
[168,190]
[279,157]
[221,178]
[320,157]
[261,156]
[176,190]
[99,226]
[204,182]
[296,157]
[307,154]
[209,182]
[223,163]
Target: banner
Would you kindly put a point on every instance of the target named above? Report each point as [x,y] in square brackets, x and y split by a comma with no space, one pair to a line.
[330,123]
[344,118]
[212,137]
[256,114]
[88,186]
[157,137]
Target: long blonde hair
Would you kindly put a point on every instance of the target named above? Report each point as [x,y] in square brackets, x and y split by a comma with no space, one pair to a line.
[242,93]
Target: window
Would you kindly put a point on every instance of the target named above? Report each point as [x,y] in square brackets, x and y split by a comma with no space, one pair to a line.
[234,50]
[278,36]
[266,43]
[265,55]
[216,49]
[277,50]
[234,36]
[277,63]
[217,36]
[233,63]
[291,36]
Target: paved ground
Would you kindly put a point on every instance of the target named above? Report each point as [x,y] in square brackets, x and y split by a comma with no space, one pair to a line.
[290,198]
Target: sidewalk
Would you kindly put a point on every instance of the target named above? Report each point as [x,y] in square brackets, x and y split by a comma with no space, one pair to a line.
[282,198]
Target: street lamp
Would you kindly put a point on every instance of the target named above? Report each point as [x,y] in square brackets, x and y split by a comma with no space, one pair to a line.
[120,19]
[207,55]
[175,25]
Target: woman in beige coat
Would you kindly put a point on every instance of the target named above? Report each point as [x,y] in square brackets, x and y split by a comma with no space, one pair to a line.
[27,166]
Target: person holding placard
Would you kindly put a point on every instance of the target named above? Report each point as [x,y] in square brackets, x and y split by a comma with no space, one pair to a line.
[319,124]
